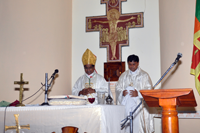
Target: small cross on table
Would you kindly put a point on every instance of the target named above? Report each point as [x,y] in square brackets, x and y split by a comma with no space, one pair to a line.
[21,83]
[17,127]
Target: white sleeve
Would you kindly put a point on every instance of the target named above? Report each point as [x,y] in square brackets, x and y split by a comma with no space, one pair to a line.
[119,90]
[77,87]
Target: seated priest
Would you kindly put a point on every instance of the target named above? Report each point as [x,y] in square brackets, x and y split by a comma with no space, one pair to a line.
[90,83]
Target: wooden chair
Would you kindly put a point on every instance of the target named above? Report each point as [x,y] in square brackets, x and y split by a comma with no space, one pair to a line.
[69,129]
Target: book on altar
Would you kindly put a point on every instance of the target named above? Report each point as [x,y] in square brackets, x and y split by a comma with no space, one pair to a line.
[66,97]
[66,100]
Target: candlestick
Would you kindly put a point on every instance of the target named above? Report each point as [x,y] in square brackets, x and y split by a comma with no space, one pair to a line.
[109,98]
[108,86]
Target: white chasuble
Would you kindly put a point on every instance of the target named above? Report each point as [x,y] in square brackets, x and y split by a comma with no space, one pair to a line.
[96,82]
[138,80]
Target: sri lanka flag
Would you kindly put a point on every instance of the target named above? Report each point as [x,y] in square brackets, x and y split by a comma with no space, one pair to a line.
[195,67]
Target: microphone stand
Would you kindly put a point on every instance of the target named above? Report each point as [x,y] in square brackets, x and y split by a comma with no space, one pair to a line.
[46,89]
[130,117]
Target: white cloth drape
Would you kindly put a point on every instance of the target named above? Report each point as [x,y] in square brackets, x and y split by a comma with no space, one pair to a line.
[48,119]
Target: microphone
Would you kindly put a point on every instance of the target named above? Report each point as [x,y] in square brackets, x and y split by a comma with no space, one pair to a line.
[55,72]
[179,55]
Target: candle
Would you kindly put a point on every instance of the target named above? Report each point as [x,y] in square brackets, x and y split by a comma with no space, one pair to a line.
[108,86]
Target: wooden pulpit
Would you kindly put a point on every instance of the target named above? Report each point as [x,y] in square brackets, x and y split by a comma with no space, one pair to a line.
[169,100]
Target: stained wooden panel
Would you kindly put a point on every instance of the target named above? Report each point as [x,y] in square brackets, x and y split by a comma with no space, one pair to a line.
[113,70]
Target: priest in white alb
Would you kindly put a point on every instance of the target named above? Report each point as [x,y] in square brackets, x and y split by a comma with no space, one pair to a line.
[127,93]
[90,82]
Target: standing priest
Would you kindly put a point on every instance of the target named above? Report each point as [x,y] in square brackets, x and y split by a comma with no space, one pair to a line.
[127,90]
[90,83]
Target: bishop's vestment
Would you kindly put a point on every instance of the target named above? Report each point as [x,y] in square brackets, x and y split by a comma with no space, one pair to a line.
[96,82]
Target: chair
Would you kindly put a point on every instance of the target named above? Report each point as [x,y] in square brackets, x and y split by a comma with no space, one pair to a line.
[69,129]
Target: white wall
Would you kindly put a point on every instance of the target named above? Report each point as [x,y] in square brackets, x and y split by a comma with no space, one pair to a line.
[177,30]
[35,38]
[144,41]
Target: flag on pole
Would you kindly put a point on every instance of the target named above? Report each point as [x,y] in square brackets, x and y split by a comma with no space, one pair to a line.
[195,67]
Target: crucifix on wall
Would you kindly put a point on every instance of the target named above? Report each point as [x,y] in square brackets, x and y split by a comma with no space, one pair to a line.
[114,28]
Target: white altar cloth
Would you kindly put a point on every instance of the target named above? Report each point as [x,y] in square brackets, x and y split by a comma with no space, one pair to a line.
[48,119]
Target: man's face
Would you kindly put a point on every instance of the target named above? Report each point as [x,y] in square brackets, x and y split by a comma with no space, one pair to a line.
[112,16]
[89,69]
[133,65]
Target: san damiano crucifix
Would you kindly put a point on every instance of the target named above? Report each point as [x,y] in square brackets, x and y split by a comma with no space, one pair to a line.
[113,28]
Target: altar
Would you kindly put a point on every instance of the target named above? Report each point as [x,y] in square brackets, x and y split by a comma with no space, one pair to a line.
[48,119]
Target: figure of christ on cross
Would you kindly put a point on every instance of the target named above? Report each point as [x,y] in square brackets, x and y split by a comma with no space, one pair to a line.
[114,28]
[113,19]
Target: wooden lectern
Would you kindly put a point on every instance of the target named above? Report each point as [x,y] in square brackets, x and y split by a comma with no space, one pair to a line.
[169,99]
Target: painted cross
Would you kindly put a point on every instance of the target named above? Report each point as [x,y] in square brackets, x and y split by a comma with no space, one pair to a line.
[17,127]
[114,27]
